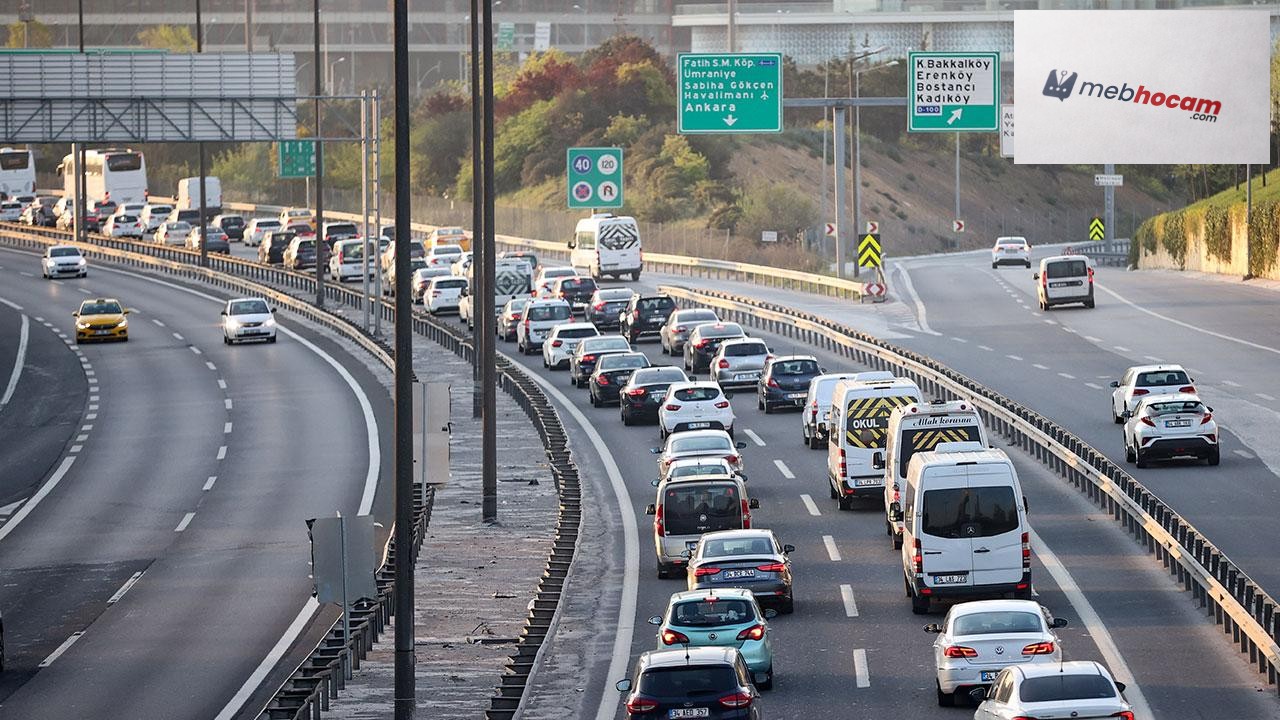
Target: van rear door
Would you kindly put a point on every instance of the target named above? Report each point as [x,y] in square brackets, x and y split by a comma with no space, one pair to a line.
[618,246]
[997,527]
[945,546]
[1067,278]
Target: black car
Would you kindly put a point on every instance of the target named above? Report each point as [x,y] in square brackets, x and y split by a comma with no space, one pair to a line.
[520,255]
[271,251]
[641,397]
[605,305]
[694,681]
[645,315]
[583,360]
[232,225]
[784,382]
[704,340]
[38,216]
[611,373]
[576,291]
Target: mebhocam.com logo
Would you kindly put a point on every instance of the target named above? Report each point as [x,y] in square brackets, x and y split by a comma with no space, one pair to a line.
[1061,84]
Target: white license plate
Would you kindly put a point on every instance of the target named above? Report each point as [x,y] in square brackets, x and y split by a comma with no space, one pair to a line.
[745,376]
[956,579]
[865,482]
[731,574]
[987,675]
[689,713]
[1063,284]
[796,396]
[101,332]
[699,425]
[1178,423]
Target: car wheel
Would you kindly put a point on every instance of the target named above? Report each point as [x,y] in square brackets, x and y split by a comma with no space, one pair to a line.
[1116,418]
[626,419]
[635,276]
[1089,303]
[788,605]
[1128,453]
[664,572]
[595,402]
[832,490]
[768,409]
[759,403]
[919,605]
[1139,459]
[993,265]
[226,340]
[768,680]
[896,539]
[1028,264]
[945,699]
[1215,456]
[544,362]
[844,503]
[272,340]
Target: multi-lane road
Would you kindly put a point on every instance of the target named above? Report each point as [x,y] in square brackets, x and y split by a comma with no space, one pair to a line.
[157,566]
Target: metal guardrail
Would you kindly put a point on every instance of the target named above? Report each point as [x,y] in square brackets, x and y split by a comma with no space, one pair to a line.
[309,689]
[1243,609]
[1115,252]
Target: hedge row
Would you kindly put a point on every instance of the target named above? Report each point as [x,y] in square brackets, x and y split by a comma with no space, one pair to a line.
[1170,230]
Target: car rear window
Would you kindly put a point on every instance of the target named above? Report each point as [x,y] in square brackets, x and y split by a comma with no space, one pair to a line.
[702,682]
[737,546]
[708,613]
[266,224]
[126,219]
[697,393]
[1059,687]
[622,362]
[578,332]
[718,468]
[721,331]
[232,221]
[796,367]
[1167,408]
[615,295]
[606,343]
[558,272]
[699,507]
[447,250]
[703,442]
[690,316]
[926,439]
[451,284]
[549,312]
[996,623]
[746,349]
[1013,241]
[1066,269]
[659,375]
[969,512]
[656,303]
[578,284]
[1160,378]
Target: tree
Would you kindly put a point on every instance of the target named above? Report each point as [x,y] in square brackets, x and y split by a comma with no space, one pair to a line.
[33,34]
[775,206]
[175,38]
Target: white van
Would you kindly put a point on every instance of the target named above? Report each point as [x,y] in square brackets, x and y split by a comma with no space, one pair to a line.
[607,245]
[189,194]
[1063,280]
[510,280]
[920,427]
[965,531]
[687,507]
[857,422]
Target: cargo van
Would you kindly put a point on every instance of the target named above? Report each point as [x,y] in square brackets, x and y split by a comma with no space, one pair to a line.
[965,532]
[857,423]
[1063,280]
[920,427]
[189,194]
[687,507]
[607,245]
[510,280]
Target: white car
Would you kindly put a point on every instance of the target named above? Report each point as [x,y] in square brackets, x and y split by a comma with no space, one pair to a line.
[443,294]
[699,466]
[63,261]
[443,255]
[699,444]
[153,216]
[539,317]
[547,276]
[10,211]
[459,266]
[346,260]
[695,406]
[1077,689]
[258,228]
[563,339]
[1010,251]
[134,209]
[1141,380]
[1165,427]
[120,225]
[246,319]
[979,639]
[422,277]
[173,233]
[817,405]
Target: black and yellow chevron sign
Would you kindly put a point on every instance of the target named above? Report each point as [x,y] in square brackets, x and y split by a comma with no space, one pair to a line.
[868,418]
[929,439]
[869,251]
[1097,230]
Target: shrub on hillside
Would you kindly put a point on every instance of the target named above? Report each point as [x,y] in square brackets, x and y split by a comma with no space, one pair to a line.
[774,206]
[1217,232]
[1174,237]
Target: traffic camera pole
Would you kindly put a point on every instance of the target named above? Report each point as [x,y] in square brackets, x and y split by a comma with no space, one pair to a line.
[405,682]
[489,424]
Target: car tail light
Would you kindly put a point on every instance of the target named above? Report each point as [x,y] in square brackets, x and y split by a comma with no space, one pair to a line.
[959,651]
[602,379]
[1212,437]
[736,700]
[672,407]
[681,328]
[746,514]
[636,392]
[705,571]
[635,313]
[1147,421]
[1187,389]
[562,295]
[1207,417]
[772,567]
[641,706]
[516,316]
[722,404]
[731,458]
[1090,275]
[723,363]
[917,558]
[702,344]
[844,470]
[1026,552]
[557,343]
[526,323]
[671,637]
[587,358]
[773,383]
[1040,648]
[1124,715]
[1044,280]
[1139,391]
[598,307]
[755,632]
[658,526]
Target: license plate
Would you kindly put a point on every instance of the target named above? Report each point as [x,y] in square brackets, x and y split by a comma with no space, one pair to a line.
[987,676]
[956,579]
[101,332]
[699,425]
[1064,284]
[731,574]
[865,482]
[689,713]
[796,396]
[1178,423]
[745,376]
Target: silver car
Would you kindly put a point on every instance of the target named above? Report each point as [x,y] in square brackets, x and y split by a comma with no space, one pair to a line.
[1077,689]
[678,326]
[739,362]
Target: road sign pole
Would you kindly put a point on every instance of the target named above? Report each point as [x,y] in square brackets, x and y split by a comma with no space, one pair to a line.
[857,162]
[957,216]
[842,226]
[1109,199]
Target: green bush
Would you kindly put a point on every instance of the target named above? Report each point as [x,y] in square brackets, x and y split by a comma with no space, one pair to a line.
[1264,235]
[1217,232]
[775,206]
[1174,237]
[1144,240]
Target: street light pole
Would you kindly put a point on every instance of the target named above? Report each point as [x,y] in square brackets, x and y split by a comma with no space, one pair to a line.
[204,221]
[477,196]
[488,379]
[318,66]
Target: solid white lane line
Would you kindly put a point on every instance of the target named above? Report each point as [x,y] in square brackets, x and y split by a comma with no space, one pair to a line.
[195,350]
[83,290]
[810,505]
[268,663]
[984,347]
[1095,386]
[1152,358]
[186,520]
[850,606]
[1228,383]
[208,484]
[226,428]
[18,364]
[7,510]
[210,365]
[1093,624]
[176,336]
[1014,358]
[125,588]
[861,678]
[1243,454]
[157,322]
[222,453]
[1067,376]
[13,305]
[754,437]
[65,646]
[1047,321]
[922,317]
[1189,326]
[227,402]
[786,471]
[1038,366]
[44,490]
[23,273]
[832,550]
[1266,397]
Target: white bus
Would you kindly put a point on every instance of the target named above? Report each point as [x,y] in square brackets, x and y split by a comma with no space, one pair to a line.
[110,174]
[17,171]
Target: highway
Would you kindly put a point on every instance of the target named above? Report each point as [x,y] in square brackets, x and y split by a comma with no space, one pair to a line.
[157,567]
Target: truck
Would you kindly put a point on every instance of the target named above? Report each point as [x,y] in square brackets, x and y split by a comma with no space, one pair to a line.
[189,194]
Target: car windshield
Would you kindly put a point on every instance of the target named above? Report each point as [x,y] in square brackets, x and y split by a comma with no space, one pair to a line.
[623,361]
[416,263]
[540,313]
[712,612]
[1065,269]
[266,224]
[577,332]
[578,284]
[996,623]
[306,245]
[1020,242]
[232,221]
[1161,378]
[1059,687]
[972,512]
[64,252]
[658,375]
[796,367]
[694,394]
[704,443]
[281,239]
[605,343]
[249,307]
[699,507]
[450,231]
[1168,408]
[729,547]
[745,350]
[342,229]
[100,308]
[702,682]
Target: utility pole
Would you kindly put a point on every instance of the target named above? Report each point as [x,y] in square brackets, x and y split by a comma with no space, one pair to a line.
[957,217]
[733,26]
[477,202]
[77,159]
[321,247]
[248,26]
[365,124]
[489,424]
[405,682]
[1109,206]
[1248,221]
[842,225]
[204,220]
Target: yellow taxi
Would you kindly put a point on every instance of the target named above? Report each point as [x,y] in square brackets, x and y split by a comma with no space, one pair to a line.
[449,236]
[101,319]
[295,215]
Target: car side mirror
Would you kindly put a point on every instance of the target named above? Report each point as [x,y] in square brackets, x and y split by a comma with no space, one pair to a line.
[75,314]
[744,477]
[650,509]
[977,695]
[877,460]
[770,614]
[822,370]
[1120,686]
[1114,384]
[656,451]
[1058,623]
[933,628]
[223,313]
[788,549]
[1210,409]
[656,482]
[754,503]
[895,511]
[572,244]
[1035,276]
[740,445]
[655,620]
[273,311]
[1025,507]
[623,685]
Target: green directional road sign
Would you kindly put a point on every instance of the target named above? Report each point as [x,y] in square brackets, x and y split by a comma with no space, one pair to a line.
[506,36]
[297,158]
[729,93]
[1097,230]
[953,92]
[594,177]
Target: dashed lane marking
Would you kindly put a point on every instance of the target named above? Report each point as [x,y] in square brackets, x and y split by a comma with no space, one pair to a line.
[1266,397]
[65,646]
[226,428]
[1243,454]
[195,349]
[1047,321]
[157,322]
[1228,383]
[786,471]
[186,520]
[210,365]
[208,484]
[75,449]
[754,437]
[25,274]
[1038,366]
[177,336]
[1092,339]
[850,605]
[1152,358]
[832,550]
[82,437]
[984,347]
[125,588]
[861,678]
[1095,386]
[227,403]
[1015,358]
[222,384]
[1068,376]
[959,339]
[91,416]
[1121,348]
[222,452]
[810,505]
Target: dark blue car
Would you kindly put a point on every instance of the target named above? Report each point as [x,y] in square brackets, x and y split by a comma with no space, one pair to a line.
[784,382]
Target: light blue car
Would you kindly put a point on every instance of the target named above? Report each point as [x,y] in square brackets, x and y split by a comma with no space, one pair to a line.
[725,617]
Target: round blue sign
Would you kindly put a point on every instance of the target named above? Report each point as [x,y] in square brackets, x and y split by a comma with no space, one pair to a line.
[582,164]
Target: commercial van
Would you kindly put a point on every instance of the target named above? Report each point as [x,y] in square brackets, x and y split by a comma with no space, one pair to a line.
[510,280]
[965,532]
[688,506]
[857,423]
[607,245]
[921,427]
[189,194]
[1063,280]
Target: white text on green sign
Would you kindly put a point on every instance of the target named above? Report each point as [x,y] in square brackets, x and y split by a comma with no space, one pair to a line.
[729,93]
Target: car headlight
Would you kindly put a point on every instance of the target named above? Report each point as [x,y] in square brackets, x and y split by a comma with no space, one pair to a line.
[82,325]
[124,322]
[269,322]
[80,262]
[232,322]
